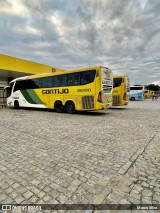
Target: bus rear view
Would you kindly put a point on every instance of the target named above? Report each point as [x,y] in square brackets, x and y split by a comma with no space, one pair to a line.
[121,88]
[106,87]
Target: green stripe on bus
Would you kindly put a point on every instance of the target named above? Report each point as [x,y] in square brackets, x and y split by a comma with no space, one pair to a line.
[27,97]
[31,97]
[34,96]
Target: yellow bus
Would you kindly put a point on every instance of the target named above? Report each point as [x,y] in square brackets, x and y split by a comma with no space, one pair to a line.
[82,89]
[121,88]
[148,94]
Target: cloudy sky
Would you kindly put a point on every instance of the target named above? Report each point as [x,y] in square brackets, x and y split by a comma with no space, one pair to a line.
[123,35]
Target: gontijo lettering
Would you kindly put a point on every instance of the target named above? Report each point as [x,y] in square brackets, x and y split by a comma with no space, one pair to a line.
[55,91]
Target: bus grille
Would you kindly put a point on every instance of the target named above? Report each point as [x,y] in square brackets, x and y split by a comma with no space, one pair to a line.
[116,100]
[88,102]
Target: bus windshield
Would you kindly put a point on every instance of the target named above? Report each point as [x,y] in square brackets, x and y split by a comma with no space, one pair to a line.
[117,82]
[9,89]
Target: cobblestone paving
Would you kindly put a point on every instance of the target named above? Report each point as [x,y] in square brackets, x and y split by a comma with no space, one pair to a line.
[110,156]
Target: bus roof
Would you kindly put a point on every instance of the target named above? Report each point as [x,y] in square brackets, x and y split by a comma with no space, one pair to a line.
[120,76]
[20,78]
[56,73]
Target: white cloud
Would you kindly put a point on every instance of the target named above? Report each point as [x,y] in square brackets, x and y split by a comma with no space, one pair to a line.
[156,83]
[28,30]
[14,7]
[123,34]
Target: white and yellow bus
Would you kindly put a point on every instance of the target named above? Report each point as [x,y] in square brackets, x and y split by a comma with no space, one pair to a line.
[82,89]
[121,88]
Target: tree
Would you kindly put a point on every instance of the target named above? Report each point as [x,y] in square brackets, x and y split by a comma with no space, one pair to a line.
[153,87]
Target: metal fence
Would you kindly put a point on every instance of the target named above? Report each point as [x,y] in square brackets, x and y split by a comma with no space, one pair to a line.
[3,98]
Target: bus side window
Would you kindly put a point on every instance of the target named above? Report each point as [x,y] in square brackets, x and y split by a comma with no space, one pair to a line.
[30,84]
[76,78]
[27,84]
[37,83]
[44,83]
[87,76]
[64,80]
[57,81]
[91,74]
[50,82]
[82,78]
[70,80]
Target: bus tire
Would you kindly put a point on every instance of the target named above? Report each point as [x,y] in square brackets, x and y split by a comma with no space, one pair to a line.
[16,104]
[70,107]
[132,98]
[58,106]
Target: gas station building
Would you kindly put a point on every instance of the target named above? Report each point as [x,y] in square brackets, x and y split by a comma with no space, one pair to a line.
[11,67]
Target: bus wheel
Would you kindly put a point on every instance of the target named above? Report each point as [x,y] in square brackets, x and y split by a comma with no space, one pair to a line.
[132,98]
[70,107]
[58,106]
[16,104]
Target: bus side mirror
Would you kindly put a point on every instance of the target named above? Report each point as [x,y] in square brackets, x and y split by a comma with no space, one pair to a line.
[6,92]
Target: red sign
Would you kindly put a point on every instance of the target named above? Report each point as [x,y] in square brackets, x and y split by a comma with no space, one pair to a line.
[53,70]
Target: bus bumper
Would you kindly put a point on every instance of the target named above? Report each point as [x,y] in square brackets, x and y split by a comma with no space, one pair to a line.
[109,105]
